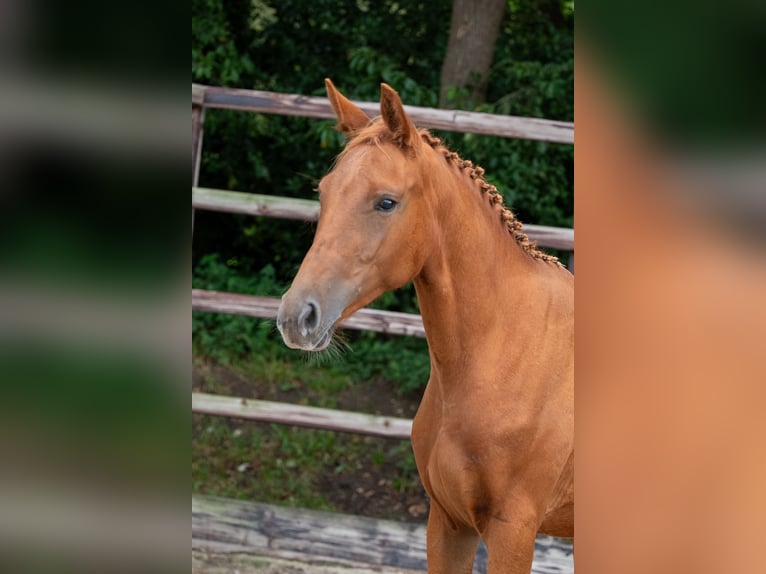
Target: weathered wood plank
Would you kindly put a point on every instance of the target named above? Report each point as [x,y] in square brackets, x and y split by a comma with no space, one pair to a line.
[299,415]
[209,562]
[198,121]
[255,204]
[451,120]
[308,210]
[553,237]
[198,94]
[517,127]
[221,526]
[390,322]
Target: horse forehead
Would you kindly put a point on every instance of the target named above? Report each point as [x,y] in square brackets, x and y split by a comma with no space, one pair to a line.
[375,165]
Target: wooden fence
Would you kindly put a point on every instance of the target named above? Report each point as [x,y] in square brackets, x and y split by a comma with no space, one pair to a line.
[232,535]
[307,210]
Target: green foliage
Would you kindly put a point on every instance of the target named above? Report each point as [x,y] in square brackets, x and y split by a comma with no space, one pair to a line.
[373,67]
[229,337]
[405,464]
[401,360]
[216,58]
[532,76]
[535,178]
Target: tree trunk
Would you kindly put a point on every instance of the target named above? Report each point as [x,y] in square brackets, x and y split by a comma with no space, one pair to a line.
[474,30]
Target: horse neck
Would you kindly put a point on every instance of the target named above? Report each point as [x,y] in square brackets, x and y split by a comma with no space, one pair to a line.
[477,281]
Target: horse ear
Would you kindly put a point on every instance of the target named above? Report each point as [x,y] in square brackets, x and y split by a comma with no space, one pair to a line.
[405,132]
[350,117]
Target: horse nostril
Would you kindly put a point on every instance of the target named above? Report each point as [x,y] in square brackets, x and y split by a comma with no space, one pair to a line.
[309,318]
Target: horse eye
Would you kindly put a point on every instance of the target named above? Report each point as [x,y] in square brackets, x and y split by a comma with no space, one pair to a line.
[385,204]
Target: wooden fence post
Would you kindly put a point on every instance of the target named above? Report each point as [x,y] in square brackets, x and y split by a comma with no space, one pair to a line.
[198,120]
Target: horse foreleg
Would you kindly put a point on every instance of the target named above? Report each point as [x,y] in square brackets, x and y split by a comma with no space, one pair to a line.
[511,544]
[450,549]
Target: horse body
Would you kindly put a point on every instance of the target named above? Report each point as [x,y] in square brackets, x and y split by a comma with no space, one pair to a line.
[494,432]
[493,436]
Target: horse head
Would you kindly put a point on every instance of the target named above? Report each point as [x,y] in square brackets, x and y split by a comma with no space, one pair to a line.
[374,223]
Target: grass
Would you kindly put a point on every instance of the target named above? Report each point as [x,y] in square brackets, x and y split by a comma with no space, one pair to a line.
[241,356]
[272,464]
[320,384]
[288,465]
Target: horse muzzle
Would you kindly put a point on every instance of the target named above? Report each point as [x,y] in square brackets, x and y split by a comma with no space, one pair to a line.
[303,324]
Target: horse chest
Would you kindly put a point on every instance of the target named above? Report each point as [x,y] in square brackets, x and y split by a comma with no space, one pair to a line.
[455,468]
[457,479]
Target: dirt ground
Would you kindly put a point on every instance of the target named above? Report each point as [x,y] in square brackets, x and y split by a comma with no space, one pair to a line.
[362,487]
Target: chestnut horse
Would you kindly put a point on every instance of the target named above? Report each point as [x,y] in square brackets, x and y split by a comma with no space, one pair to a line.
[493,437]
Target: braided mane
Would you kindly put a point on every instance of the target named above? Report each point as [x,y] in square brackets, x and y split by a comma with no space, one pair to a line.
[376,132]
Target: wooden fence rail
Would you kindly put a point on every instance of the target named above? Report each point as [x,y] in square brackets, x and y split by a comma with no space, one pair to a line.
[299,415]
[450,120]
[237,535]
[308,210]
[391,322]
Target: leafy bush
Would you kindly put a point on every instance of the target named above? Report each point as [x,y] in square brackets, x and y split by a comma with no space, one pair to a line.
[230,337]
